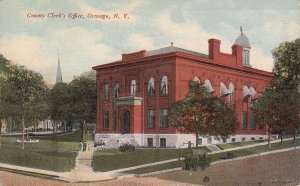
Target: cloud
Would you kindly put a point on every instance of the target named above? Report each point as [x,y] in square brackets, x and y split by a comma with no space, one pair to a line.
[140,42]
[120,9]
[79,48]
[188,34]
[259,60]
[25,50]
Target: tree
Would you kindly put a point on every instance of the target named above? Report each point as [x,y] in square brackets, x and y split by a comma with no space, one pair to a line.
[277,109]
[287,65]
[21,90]
[202,114]
[59,104]
[83,99]
[74,102]
[279,106]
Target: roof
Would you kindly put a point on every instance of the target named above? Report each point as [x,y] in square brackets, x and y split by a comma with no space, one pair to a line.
[170,49]
[242,40]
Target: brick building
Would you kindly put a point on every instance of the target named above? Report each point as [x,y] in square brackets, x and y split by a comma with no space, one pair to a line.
[136,93]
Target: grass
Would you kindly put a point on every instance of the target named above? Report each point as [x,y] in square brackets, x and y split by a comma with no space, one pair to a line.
[238,144]
[47,154]
[216,157]
[75,136]
[114,159]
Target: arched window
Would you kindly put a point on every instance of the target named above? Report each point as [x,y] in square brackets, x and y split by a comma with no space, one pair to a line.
[116,90]
[196,79]
[231,90]
[208,86]
[105,91]
[223,90]
[246,92]
[151,88]
[164,85]
[252,92]
[132,87]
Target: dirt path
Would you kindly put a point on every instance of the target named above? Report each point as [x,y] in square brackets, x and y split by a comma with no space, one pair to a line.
[274,169]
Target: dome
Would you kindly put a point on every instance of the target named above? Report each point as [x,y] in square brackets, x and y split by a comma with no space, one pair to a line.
[242,40]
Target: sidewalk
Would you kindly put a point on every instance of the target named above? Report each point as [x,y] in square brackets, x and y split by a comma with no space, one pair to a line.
[83,171]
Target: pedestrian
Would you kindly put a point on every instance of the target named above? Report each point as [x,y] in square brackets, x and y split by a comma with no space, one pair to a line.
[84,146]
[81,146]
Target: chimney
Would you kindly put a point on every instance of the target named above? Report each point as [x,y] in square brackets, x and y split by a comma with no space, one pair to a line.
[133,56]
[214,48]
[237,51]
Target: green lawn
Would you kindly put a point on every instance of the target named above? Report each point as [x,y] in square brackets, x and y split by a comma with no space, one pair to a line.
[216,157]
[47,154]
[238,144]
[114,159]
[75,136]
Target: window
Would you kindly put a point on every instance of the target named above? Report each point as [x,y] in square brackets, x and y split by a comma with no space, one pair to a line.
[151,89]
[199,141]
[105,119]
[132,87]
[163,142]
[151,118]
[246,92]
[208,86]
[196,79]
[150,142]
[163,118]
[243,139]
[244,120]
[164,85]
[105,91]
[114,119]
[252,121]
[116,90]
[223,90]
[232,139]
[246,57]
[209,140]
[252,138]
[231,90]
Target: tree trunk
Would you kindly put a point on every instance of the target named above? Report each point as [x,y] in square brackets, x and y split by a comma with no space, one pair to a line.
[82,130]
[269,138]
[65,127]
[295,134]
[0,131]
[34,123]
[23,130]
[0,127]
[281,138]
[197,136]
[53,126]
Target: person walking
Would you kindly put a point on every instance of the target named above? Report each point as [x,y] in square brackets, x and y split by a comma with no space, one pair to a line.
[81,146]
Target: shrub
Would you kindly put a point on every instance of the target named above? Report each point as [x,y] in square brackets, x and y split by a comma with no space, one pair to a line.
[127,148]
[191,161]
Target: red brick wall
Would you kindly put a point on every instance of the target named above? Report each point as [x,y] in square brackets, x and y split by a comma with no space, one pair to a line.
[180,68]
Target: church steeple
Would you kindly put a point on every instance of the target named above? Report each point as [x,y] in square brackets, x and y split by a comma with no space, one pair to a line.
[58,72]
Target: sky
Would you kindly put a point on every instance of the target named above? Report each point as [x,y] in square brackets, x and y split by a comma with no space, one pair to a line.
[82,42]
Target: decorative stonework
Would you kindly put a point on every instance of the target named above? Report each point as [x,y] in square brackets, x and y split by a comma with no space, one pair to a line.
[130,100]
